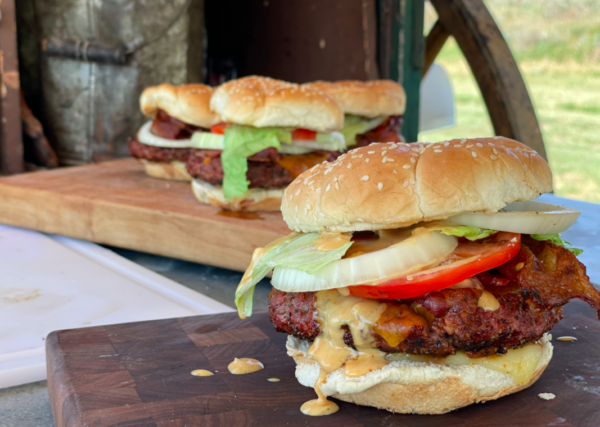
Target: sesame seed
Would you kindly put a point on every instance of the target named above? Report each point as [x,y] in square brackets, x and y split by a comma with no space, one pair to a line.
[495,151]
[479,144]
[462,141]
[367,160]
[360,156]
[437,151]
[311,183]
[413,160]
[493,157]
[414,154]
[405,184]
[469,146]
[349,165]
[406,166]
[473,153]
[337,186]
[380,186]
[297,192]
[457,146]
[383,152]
[446,144]
[307,206]
[328,187]
[491,144]
[395,172]
[365,178]
[412,181]
[296,209]
[496,137]
[291,196]
[370,152]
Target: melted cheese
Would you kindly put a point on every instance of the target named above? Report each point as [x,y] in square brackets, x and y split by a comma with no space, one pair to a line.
[488,302]
[519,363]
[328,241]
[298,163]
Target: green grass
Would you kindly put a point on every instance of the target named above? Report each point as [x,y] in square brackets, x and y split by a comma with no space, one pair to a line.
[557,44]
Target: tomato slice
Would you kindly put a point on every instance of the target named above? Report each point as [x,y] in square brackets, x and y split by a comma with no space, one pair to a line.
[476,258]
[219,128]
[305,134]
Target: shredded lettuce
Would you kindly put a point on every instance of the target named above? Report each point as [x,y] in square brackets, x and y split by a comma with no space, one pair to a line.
[355,125]
[242,142]
[471,233]
[557,240]
[296,251]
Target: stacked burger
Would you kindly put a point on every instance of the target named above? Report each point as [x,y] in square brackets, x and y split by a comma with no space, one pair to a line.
[163,144]
[420,278]
[242,144]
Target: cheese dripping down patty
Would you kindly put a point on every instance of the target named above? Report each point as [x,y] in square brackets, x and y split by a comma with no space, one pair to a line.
[361,317]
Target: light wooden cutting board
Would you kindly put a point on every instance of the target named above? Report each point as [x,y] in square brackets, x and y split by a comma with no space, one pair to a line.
[116,203]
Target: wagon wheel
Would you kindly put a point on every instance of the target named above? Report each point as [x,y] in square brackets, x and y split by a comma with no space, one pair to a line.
[492,64]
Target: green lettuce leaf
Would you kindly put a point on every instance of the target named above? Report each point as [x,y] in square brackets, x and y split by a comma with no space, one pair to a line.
[471,233]
[296,251]
[242,142]
[557,240]
[355,125]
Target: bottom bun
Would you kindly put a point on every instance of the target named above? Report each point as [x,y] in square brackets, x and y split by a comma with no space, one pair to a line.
[414,387]
[174,170]
[257,199]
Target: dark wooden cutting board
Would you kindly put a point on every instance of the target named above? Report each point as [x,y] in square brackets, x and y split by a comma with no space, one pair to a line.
[138,374]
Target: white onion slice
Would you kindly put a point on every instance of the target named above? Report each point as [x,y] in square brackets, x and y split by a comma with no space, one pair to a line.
[145,136]
[333,141]
[523,217]
[409,255]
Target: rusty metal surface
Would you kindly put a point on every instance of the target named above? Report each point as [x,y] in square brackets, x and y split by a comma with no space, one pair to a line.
[11,147]
[91,109]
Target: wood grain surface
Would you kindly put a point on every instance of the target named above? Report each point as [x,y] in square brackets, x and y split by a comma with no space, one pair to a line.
[138,374]
[116,203]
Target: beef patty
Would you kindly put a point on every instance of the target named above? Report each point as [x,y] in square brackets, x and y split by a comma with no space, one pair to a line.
[156,154]
[388,131]
[531,300]
[266,169]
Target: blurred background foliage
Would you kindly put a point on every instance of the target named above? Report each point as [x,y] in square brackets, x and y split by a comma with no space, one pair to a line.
[557,46]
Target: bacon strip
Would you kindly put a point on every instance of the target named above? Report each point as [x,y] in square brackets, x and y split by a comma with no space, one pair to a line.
[552,272]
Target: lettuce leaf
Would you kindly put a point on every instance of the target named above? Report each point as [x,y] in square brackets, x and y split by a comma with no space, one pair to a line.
[242,142]
[557,240]
[471,233]
[355,125]
[296,251]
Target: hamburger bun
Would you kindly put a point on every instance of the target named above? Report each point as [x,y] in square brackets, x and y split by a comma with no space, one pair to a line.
[389,185]
[262,101]
[174,170]
[188,103]
[368,99]
[414,387]
[257,199]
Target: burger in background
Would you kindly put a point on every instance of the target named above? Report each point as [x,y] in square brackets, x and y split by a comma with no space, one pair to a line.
[163,144]
[373,109]
[270,132]
[420,278]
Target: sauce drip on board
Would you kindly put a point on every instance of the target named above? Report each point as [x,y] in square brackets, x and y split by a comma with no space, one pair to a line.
[239,215]
[320,406]
[202,373]
[245,365]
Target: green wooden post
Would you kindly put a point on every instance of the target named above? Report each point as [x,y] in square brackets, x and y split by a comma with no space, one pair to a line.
[400,51]
[414,53]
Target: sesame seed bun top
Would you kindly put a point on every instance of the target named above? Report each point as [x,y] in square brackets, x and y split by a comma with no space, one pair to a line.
[387,185]
[262,102]
[188,103]
[368,99]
